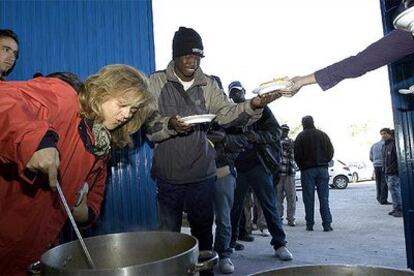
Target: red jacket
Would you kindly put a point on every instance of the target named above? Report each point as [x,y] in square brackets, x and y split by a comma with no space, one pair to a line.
[31,215]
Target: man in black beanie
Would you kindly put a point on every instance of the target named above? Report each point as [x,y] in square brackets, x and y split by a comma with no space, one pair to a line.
[183,164]
[313,151]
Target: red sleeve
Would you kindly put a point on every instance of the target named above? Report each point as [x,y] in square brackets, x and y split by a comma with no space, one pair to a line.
[27,111]
[22,129]
[96,194]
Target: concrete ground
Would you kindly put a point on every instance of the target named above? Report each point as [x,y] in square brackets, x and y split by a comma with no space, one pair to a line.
[363,233]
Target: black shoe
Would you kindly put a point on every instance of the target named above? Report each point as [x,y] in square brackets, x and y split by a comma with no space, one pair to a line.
[237,246]
[392,212]
[309,228]
[327,228]
[246,238]
[386,203]
[397,214]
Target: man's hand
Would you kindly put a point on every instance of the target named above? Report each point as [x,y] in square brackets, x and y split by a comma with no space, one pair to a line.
[178,125]
[262,100]
[216,136]
[251,136]
[298,83]
[46,161]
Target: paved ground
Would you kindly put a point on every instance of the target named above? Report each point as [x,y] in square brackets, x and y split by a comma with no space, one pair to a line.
[363,234]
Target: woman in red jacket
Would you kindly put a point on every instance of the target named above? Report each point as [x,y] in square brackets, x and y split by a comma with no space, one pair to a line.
[49,133]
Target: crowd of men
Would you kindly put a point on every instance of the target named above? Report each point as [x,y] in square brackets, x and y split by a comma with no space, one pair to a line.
[208,170]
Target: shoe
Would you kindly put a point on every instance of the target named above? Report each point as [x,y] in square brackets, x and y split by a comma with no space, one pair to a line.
[254,226]
[237,246]
[246,238]
[392,212]
[397,214]
[226,266]
[327,228]
[309,228]
[283,253]
[265,232]
[292,223]
[385,203]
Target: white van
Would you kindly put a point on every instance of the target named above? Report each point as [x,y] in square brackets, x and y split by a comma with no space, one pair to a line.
[339,175]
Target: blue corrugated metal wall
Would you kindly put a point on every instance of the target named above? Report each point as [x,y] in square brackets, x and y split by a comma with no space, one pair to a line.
[401,75]
[81,37]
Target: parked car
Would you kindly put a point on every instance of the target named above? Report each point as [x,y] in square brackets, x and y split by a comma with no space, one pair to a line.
[339,175]
[361,171]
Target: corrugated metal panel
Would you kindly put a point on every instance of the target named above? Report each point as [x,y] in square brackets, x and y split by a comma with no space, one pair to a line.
[401,75]
[81,37]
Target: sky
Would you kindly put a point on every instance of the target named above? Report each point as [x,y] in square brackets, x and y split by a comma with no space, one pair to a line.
[254,41]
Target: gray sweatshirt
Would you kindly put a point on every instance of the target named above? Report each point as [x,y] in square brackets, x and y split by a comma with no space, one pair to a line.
[178,158]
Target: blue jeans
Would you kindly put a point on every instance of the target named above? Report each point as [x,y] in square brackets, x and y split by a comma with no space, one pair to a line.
[319,178]
[223,202]
[197,199]
[262,186]
[394,187]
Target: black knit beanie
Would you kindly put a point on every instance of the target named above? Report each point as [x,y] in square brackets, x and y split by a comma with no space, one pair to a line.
[307,122]
[187,42]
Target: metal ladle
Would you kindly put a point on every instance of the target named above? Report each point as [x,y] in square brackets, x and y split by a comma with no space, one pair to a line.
[75,227]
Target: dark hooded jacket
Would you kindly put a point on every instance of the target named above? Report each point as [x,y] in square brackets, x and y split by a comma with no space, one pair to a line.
[389,155]
[313,148]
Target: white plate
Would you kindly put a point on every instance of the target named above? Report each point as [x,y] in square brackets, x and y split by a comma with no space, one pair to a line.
[272,86]
[198,119]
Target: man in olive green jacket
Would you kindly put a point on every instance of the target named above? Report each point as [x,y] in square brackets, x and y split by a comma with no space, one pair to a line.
[183,163]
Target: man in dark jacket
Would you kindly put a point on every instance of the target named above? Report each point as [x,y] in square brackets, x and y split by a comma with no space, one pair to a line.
[227,148]
[255,166]
[390,167]
[313,151]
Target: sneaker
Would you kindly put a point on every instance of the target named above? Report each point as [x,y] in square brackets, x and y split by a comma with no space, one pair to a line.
[292,223]
[246,238]
[327,228]
[397,214]
[283,254]
[392,212]
[226,266]
[309,228]
[237,246]
[386,203]
[265,232]
[254,226]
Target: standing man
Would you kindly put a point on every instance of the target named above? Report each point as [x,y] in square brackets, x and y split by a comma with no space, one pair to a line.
[183,164]
[313,151]
[389,154]
[286,186]
[375,155]
[255,166]
[9,52]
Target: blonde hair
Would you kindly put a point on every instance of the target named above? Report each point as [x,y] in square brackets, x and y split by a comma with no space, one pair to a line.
[117,81]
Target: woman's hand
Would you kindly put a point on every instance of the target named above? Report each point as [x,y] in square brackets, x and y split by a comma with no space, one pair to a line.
[298,83]
[81,212]
[46,161]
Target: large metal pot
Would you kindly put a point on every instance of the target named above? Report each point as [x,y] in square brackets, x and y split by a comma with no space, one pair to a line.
[336,270]
[133,253]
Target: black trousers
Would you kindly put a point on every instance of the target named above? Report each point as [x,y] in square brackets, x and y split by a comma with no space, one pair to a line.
[197,198]
[382,188]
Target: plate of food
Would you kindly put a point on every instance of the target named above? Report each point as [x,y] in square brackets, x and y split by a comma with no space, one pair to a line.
[198,119]
[273,85]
